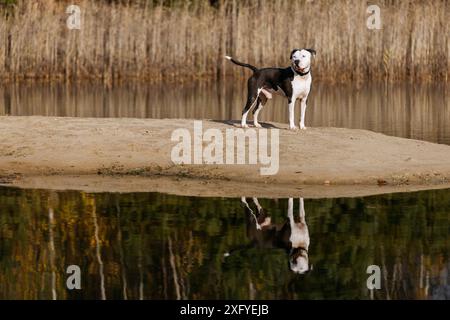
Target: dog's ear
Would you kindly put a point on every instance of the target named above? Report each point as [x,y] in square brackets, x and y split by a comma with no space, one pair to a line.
[292,53]
[312,51]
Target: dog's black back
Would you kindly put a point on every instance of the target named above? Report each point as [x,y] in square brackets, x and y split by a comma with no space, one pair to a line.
[274,79]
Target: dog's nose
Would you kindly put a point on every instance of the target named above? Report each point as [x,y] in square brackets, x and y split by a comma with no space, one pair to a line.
[296,62]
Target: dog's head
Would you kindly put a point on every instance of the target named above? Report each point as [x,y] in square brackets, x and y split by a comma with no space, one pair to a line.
[301,59]
[299,260]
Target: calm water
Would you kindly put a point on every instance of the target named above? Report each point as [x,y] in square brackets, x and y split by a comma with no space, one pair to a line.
[156,246]
[421,112]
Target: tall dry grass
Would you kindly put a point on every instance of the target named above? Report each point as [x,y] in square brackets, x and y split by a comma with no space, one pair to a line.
[188,40]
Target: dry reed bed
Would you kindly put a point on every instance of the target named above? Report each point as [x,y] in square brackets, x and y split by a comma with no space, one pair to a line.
[188,41]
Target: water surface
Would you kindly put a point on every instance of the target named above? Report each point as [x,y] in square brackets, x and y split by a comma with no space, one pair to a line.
[157,246]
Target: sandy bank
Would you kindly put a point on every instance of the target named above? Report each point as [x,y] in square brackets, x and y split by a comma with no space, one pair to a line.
[135,155]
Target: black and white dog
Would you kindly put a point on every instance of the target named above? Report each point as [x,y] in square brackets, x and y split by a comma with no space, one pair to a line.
[292,235]
[293,82]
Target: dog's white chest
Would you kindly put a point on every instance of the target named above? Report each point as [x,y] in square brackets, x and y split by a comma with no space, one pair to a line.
[301,86]
[299,236]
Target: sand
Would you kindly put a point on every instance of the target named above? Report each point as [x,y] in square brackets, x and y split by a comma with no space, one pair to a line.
[131,155]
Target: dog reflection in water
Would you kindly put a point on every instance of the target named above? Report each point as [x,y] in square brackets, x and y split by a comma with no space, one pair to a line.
[293,235]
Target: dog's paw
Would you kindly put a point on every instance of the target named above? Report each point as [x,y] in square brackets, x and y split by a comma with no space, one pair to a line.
[257,125]
[245,126]
[302,128]
[294,128]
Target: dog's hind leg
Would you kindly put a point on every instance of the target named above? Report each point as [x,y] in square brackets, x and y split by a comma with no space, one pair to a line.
[251,102]
[262,99]
[252,99]
[256,202]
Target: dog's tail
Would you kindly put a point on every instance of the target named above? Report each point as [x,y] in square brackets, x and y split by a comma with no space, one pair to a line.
[253,68]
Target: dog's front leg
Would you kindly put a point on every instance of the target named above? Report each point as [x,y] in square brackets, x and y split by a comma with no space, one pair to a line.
[291,115]
[302,211]
[291,213]
[302,116]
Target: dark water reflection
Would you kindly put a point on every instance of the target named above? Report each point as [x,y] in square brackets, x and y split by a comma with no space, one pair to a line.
[156,246]
[421,112]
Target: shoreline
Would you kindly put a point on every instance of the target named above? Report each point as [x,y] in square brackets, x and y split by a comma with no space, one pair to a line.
[205,188]
[134,155]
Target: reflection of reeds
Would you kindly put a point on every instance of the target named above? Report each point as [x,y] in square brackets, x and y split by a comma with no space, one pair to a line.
[188,40]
